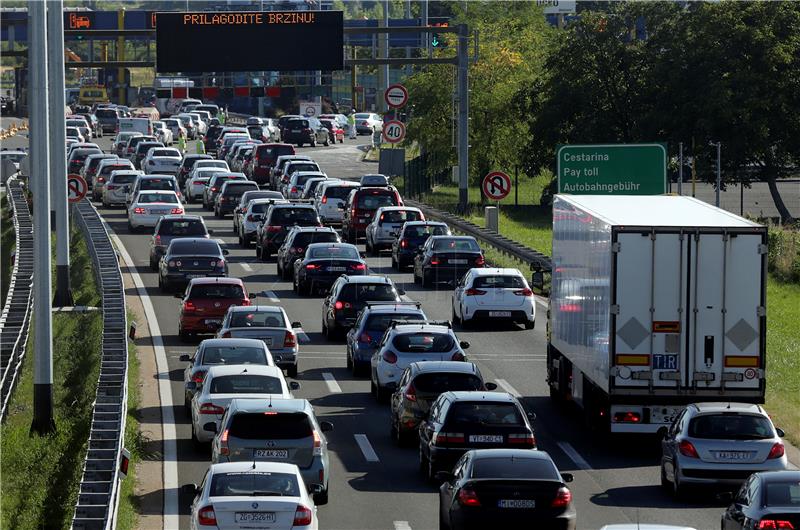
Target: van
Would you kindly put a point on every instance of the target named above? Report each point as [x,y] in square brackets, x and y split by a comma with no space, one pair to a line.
[140,125]
[91,94]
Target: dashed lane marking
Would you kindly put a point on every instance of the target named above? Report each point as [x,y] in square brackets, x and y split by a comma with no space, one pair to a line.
[366,448]
[574,455]
[302,337]
[333,386]
[272,297]
[401,525]
[502,383]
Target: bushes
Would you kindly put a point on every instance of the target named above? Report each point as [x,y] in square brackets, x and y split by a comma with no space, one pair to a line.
[784,254]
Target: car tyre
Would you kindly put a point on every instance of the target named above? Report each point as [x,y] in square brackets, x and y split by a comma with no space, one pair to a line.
[321,498]
[292,371]
[456,319]
[416,278]
[678,489]
[665,484]
[184,336]
[313,142]
[327,142]
[442,523]
[350,365]
[530,324]
[153,265]
[425,280]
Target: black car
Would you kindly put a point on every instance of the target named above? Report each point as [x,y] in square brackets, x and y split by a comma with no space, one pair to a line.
[295,244]
[210,139]
[171,227]
[505,488]
[305,131]
[767,500]
[349,294]
[190,257]
[283,120]
[133,142]
[446,259]
[141,151]
[279,218]
[229,195]
[109,119]
[78,157]
[413,235]
[186,166]
[324,263]
[460,421]
[215,186]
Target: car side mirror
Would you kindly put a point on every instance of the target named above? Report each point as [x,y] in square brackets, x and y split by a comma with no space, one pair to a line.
[225,252]
[537,280]
[315,489]
[567,477]
[178,295]
[490,386]
[780,432]
[531,416]
[296,325]
[190,489]
[210,427]
[191,386]
[185,358]
[294,385]
[210,231]
[464,344]
[725,497]
[326,426]
[401,292]
[444,476]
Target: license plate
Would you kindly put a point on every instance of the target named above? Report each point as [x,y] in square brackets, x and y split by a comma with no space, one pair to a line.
[159,211]
[213,321]
[271,453]
[295,130]
[486,438]
[191,276]
[516,503]
[499,313]
[255,517]
[337,269]
[458,261]
[733,455]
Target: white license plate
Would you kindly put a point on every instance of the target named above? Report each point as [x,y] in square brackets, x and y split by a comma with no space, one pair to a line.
[255,517]
[213,321]
[271,453]
[295,130]
[499,313]
[157,212]
[486,438]
[337,269]
[191,276]
[457,261]
[733,455]
[516,503]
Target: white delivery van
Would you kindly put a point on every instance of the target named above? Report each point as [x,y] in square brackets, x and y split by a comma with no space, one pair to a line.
[140,125]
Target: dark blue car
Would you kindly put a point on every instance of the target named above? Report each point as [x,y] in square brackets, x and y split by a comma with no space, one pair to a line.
[412,235]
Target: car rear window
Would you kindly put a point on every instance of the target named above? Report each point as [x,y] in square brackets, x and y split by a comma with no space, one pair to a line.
[484,412]
[211,163]
[123,179]
[157,197]
[116,167]
[267,319]
[369,292]
[218,180]
[287,215]
[157,184]
[273,152]
[782,494]
[166,152]
[296,124]
[338,192]
[375,199]
[422,231]
[250,483]
[246,384]
[105,113]
[302,179]
[334,253]
[423,342]
[216,291]
[233,355]
[239,188]
[455,245]
[280,426]
[519,468]
[144,147]
[182,227]
[499,282]
[195,248]
[382,321]
[303,166]
[306,238]
[732,426]
[251,195]
[444,381]
[400,216]
[260,207]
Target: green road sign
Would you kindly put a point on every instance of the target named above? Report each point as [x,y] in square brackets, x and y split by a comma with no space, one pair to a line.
[615,169]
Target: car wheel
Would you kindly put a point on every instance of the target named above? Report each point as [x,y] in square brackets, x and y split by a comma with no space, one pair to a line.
[416,278]
[183,335]
[321,498]
[197,444]
[153,265]
[292,371]
[400,438]
[327,142]
[456,319]
[425,279]
[313,141]
[394,263]
[303,289]
[241,241]
[350,365]
[131,228]
[678,489]
[325,332]
[530,324]
[442,523]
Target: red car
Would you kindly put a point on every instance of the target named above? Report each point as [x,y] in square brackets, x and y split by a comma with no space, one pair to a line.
[360,208]
[335,131]
[263,160]
[205,303]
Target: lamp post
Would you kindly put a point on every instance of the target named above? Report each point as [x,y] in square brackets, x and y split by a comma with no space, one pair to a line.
[719,174]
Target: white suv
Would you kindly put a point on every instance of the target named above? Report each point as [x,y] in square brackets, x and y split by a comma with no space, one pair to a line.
[329,196]
[388,221]
[494,294]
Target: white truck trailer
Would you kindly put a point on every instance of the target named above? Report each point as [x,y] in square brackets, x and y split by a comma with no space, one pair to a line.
[656,302]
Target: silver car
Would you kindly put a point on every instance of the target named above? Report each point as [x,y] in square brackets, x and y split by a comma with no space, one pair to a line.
[269,324]
[282,430]
[719,444]
[216,352]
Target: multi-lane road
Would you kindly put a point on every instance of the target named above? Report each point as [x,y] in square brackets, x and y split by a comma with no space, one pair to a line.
[375,484]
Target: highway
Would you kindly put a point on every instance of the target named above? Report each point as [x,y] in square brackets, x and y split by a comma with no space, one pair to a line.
[375,484]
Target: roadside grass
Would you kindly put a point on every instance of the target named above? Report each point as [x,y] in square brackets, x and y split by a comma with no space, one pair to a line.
[7,242]
[129,503]
[40,475]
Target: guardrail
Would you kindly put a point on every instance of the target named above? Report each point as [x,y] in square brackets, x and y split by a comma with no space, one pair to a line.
[533,258]
[98,497]
[16,316]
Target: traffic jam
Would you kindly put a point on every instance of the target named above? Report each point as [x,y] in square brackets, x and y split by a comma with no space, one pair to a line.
[269,462]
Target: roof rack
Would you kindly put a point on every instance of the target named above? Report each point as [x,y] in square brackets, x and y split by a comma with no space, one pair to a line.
[403,303]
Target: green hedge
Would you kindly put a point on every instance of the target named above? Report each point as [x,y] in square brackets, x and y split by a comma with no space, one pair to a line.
[784,254]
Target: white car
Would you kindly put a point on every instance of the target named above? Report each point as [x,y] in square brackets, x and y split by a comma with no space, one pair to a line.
[494,294]
[277,170]
[199,123]
[235,495]
[386,223]
[163,133]
[224,383]
[196,185]
[104,169]
[147,208]
[116,188]
[271,129]
[293,166]
[403,344]
[206,164]
[81,125]
[74,132]
[175,126]
[368,123]
[252,218]
[162,160]
[329,196]
[297,181]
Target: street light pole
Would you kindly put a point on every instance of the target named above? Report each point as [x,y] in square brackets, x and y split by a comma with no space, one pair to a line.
[680,168]
[719,174]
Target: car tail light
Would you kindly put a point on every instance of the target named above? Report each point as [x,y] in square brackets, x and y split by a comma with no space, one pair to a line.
[358,267]
[687,449]
[251,218]
[774,524]
[390,357]
[176,211]
[474,292]
[457,356]
[302,516]
[138,210]
[294,189]
[468,497]
[312,267]
[777,451]
[188,307]
[206,516]
[526,439]
[110,187]
[223,443]
[524,292]
[290,340]
[448,437]
[214,188]
[246,301]
[434,261]
[317,443]
[341,305]
[480,261]
[199,376]
[324,199]
[210,408]
[273,228]
[158,239]
[220,263]
[563,498]
[403,243]
[411,393]
[299,250]
[365,338]
[629,417]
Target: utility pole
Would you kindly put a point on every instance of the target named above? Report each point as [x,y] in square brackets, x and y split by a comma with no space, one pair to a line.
[425,36]
[463,116]
[40,170]
[383,50]
[121,93]
[680,168]
[58,154]
[719,173]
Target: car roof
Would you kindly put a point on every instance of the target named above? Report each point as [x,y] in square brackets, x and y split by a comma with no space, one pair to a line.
[425,223]
[428,367]
[317,173]
[389,307]
[277,405]
[211,281]
[236,342]
[516,454]
[313,229]
[463,395]
[160,192]
[255,466]
[779,476]
[341,183]
[714,406]
[396,208]
[369,278]
[453,237]
[422,326]
[252,369]
[255,309]
[194,241]
[496,270]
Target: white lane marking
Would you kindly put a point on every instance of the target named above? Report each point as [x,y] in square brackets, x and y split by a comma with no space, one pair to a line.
[272,296]
[170,460]
[302,337]
[333,386]
[247,267]
[542,301]
[502,383]
[366,448]
[574,455]
[401,525]
[220,241]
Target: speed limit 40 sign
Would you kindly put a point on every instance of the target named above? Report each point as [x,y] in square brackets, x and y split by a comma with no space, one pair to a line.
[394,131]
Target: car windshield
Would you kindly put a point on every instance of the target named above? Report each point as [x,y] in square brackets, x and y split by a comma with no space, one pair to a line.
[157,184]
[451,245]
[182,227]
[157,197]
[782,494]
[485,412]
[246,384]
[499,282]
[517,468]
[306,238]
[290,215]
[369,292]
[338,192]
[444,381]
[254,483]
[280,426]
[731,426]
[423,342]
[233,355]
[216,291]
[374,200]
[380,322]
[334,252]
[256,319]
[423,231]
[194,248]
[400,216]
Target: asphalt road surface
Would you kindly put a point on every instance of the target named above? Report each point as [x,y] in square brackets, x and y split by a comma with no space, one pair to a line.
[375,484]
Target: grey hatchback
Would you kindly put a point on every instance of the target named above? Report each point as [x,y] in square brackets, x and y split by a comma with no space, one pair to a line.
[276,430]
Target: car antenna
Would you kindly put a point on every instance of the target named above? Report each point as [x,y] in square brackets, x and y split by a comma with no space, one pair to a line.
[270,401]
[254,464]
